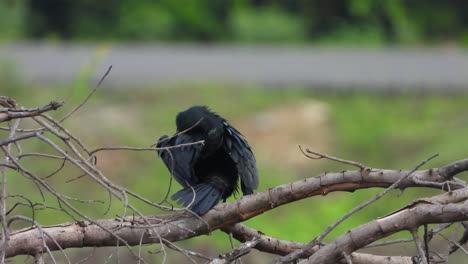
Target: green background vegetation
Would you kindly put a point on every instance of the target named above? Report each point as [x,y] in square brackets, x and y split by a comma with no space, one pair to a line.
[361,22]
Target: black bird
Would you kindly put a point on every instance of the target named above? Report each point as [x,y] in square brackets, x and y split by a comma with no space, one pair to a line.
[210,170]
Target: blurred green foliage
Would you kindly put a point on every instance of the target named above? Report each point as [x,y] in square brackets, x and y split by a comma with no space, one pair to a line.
[12,16]
[251,21]
[267,25]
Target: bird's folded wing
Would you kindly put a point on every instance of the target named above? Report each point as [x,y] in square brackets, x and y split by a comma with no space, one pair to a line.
[240,152]
[180,159]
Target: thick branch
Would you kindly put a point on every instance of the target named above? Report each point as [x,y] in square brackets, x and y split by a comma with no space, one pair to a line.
[183,226]
[283,247]
[453,168]
[268,244]
[437,209]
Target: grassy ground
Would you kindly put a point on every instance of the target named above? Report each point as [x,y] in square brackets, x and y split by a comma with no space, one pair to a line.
[383,131]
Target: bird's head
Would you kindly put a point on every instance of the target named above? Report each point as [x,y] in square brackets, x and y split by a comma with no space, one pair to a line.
[196,118]
[200,120]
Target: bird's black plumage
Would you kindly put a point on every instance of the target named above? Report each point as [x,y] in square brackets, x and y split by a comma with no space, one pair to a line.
[210,170]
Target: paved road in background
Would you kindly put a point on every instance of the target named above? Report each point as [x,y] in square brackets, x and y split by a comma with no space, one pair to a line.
[136,65]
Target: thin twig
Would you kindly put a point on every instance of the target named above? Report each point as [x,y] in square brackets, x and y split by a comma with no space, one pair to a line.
[23,130]
[187,252]
[76,178]
[121,148]
[390,242]
[139,247]
[29,204]
[178,133]
[437,229]
[87,97]
[146,149]
[8,166]
[169,186]
[426,242]
[88,257]
[237,252]
[3,213]
[39,155]
[319,155]
[18,138]
[419,246]
[462,241]
[55,171]
[440,185]
[454,243]
[3,194]
[64,130]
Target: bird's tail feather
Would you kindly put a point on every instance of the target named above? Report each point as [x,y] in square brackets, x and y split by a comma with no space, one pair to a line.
[206,197]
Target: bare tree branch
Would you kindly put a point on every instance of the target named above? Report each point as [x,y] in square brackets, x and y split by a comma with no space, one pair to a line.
[419,246]
[18,138]
[282,247]
[454,244]
[459,244]
[9,114]
[146,149]
[437,209]
[7,102]
[293,256]
[3,191]
[268,244]
[452,169]
[318,155]
[87,97]
[180,226]
[237,252]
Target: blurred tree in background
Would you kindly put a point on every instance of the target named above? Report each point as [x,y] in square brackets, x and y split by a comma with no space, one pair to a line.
[253,21]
